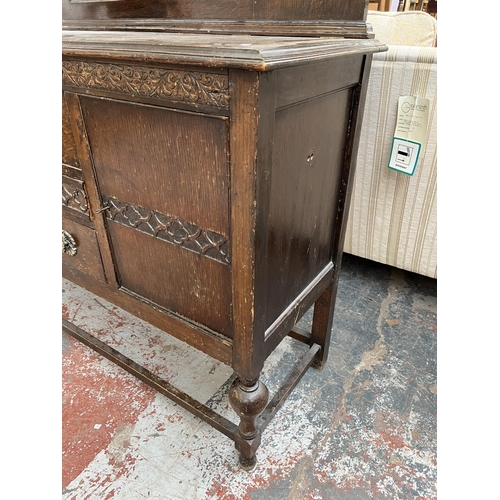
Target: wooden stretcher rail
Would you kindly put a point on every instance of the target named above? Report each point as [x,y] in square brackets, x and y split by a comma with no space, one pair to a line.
[198,409]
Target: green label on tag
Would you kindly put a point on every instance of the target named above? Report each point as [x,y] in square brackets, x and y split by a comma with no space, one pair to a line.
[404,155]
[410,134]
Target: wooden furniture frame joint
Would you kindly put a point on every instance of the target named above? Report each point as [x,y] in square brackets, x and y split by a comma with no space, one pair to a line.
[190,404]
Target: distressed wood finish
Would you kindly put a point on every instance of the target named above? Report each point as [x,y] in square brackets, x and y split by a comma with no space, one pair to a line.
[325,306]
[205,88]
[87,260]
[259,53]
[217,174]
[168,228]
[92,189]
[202,287]
[74,195]
[70,162]
[260,17]
[179,166]
[340,10]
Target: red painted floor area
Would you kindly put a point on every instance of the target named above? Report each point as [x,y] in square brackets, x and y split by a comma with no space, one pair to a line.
[98,404]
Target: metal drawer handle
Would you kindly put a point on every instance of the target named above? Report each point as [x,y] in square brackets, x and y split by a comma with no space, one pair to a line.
[68,244]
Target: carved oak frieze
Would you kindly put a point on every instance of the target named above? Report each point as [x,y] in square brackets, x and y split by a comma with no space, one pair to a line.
[74,195]
[170,229]
[211,89]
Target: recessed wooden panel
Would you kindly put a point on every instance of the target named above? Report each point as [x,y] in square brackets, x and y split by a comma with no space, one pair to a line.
[172,162]
[321,78]
[181,281]
[307,162]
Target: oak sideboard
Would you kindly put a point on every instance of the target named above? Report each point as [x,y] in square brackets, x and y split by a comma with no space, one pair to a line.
[208,152]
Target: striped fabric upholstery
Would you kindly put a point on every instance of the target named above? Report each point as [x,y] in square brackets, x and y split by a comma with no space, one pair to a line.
[393,217]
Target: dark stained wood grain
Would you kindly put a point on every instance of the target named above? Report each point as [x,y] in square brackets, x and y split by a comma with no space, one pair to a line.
[247,140]
[341,29]
[244,88]
[170,229]
[211,52]
[160,9]
[77,217]
[88,257]
[74,195]
[300,83]
[92,189]
[248,399]
[325,307]
[334,10]
[264,164]
[268,10]
[188,284]
[307,162]
[69,153]
[217,346]
[200,91]
[296,309]
[149,156]
[341,18]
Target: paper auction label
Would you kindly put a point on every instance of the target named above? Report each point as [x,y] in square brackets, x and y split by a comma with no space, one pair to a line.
[410,133]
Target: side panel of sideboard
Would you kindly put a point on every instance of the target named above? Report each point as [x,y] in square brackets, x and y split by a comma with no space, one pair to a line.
[314,125]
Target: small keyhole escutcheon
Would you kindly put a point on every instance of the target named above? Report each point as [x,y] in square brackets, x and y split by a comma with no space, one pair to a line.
[311,157]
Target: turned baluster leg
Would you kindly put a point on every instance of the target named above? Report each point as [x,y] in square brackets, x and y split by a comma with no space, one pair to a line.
[248,399]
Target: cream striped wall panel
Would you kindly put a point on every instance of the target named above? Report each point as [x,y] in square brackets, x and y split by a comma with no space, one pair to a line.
[393,217]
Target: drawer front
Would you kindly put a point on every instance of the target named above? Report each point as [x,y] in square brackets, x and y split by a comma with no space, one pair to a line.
[87,259]
[162,175]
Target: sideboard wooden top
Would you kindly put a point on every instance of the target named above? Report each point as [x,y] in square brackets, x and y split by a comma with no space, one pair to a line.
[260,53]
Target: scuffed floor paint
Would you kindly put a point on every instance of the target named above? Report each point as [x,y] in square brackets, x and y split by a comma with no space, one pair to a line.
[98,405]
[362,428]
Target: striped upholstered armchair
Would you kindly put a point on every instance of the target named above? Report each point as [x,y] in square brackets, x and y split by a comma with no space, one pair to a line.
[393,217]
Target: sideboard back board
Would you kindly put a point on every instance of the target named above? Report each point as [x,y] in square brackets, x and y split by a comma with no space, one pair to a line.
[345,18]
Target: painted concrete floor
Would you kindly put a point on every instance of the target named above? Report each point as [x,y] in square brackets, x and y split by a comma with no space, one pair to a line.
[364,427]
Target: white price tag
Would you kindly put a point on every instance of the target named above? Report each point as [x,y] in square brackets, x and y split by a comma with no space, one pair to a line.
[410,134]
